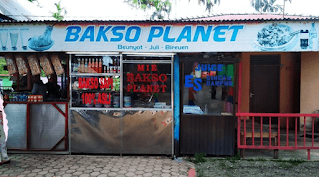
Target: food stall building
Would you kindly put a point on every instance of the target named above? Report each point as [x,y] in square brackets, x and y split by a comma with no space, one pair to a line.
[161,87]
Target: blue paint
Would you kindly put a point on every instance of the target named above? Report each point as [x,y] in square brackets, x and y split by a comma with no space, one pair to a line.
[88,34]
[102,33]
[176,99]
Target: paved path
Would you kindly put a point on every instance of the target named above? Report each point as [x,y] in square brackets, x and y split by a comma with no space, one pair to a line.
[84,165]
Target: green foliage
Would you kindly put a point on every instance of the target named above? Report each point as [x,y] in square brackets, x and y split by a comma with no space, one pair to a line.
[199,158]
[199,173]
[290,163]
[267,5]
[59,15]
[165,5]
[60,10]
[261,159]
[161,6]
[236,157]
[3,63]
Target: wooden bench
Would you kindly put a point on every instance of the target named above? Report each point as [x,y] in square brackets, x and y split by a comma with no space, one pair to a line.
[258,135]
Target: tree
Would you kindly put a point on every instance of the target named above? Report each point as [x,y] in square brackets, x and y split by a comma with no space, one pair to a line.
[59,15]
[267,5]
[60,10]
[164,6]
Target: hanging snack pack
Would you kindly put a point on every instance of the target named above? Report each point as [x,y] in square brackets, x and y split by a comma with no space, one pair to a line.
[34,65]
[11,64]
[56,62]
[46,65]
[22,64]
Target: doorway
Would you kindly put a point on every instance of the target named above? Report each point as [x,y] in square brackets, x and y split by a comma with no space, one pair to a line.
[264,84]
[207,106]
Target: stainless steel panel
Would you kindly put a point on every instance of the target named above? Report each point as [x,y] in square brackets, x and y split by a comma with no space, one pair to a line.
[17,123]
[117,132]
[147,132]
[47,126]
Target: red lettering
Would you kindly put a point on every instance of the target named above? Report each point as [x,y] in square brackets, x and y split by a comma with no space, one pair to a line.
[102,83]
[163,87]
[140,67]
[160,77]
[95,83]
[142,89]
[81,83]
[138,78]
[147,67]
[149,88]
[135,88]
[154,77]
[154,68]
[130,77]
[87,82]
[105,99]
[129,88]
[156,88]
[146,78]
[93,97]
[99,100]
[108,101]
[110,83]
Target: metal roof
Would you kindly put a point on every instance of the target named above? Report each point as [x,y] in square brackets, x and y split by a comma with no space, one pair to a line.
[217,19]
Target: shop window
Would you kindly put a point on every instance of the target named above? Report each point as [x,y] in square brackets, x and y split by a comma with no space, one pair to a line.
[147,85]
[208,88]
[121,81]
[95,81]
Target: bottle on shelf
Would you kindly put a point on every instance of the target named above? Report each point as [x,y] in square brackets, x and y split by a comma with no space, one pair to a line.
[96,67]
[100,65]
[82,66]
[90,66]
[86,65]
[79,64]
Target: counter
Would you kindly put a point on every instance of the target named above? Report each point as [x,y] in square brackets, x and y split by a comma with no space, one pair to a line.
[37,126]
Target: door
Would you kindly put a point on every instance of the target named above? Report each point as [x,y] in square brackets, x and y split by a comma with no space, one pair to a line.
[264,83]
[207,107]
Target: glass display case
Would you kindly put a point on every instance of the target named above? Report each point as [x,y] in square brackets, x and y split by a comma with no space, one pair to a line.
[95,81]
[121,81]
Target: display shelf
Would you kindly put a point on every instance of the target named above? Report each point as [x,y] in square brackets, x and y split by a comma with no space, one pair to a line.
[95,74]
[97,91]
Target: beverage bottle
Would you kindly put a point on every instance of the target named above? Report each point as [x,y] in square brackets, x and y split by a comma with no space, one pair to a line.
[313,42]
[73,66]
[86,65]
[96,65]
[114,62]
[79,64]
[100,65]
[90,66]
[82,66]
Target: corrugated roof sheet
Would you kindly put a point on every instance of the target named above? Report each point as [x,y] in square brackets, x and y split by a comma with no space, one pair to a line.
[219,18]
[21,11]
[250,17]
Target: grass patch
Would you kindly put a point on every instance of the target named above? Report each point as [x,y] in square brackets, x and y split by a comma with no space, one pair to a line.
[199,173]
[236,157]
[199,158]
[261,159]
[290,163]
